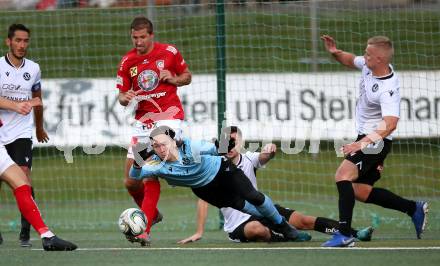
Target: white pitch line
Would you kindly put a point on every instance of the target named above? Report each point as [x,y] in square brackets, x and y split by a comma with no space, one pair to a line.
[258,248]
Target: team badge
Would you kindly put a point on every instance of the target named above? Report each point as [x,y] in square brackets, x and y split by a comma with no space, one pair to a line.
[375,87]
[186,161]
[7,74]
[26,76]
[133,71]
[148,80]
[160,64]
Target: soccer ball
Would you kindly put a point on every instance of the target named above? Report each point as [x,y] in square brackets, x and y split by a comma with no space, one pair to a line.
[132,222]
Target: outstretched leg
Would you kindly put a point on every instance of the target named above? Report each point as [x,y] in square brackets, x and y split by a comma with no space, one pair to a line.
[257,203]
[387,199]
[16,179]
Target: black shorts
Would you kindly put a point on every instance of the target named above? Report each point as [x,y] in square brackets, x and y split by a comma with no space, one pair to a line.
[238,234]
[370,162]
[221,191]
[20,152]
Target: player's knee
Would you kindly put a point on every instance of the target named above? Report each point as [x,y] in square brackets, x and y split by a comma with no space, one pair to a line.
[14,177]
[342,175]
[131,184]
[301,221]
[237,204]
[308,222]
[255,197]
[362,195]
[256,231]
[362,191]
[128,164]
[346,171]
[27,172]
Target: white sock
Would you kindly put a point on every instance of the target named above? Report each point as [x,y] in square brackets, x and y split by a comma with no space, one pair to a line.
[48,234]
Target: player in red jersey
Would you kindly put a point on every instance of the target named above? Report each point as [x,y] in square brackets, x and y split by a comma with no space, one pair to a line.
[150,74]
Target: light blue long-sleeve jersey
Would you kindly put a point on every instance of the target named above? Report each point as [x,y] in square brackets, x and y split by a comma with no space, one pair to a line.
[197,165]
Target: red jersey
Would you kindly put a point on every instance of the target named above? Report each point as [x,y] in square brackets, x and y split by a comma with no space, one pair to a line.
[158,100]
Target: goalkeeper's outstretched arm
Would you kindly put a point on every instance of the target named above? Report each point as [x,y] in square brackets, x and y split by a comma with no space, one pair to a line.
[202,214]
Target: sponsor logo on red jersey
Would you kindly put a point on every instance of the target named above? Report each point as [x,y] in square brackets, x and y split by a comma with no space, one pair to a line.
[133,71]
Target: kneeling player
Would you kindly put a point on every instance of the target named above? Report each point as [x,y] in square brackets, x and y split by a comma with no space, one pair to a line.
[12,174]
[243,227]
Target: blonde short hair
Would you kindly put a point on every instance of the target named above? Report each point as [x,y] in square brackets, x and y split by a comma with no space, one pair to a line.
[384,43]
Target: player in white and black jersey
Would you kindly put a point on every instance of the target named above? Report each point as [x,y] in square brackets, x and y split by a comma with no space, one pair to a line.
[377,115]
[13,175]
[20,80]
[242,227]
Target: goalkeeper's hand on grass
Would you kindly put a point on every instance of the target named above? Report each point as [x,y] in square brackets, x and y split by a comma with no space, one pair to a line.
[193,238]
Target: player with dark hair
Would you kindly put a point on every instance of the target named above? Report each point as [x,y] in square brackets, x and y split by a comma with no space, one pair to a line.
[150,74]
[242,227]
[213,178]
[377,115]
[13,175]
[20,80]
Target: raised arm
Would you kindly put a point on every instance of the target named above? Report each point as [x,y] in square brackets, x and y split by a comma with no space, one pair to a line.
[345,58]
[202,213]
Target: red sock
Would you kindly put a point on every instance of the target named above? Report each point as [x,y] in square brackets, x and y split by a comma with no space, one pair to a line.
[149,204]
[138,195]
[29,209]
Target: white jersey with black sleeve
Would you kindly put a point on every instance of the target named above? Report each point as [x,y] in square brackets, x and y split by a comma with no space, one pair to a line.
[249,164]
[378,97]
[17,84]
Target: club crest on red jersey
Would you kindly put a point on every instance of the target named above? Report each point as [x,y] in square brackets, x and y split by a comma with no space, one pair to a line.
[160,64]
[148,80]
